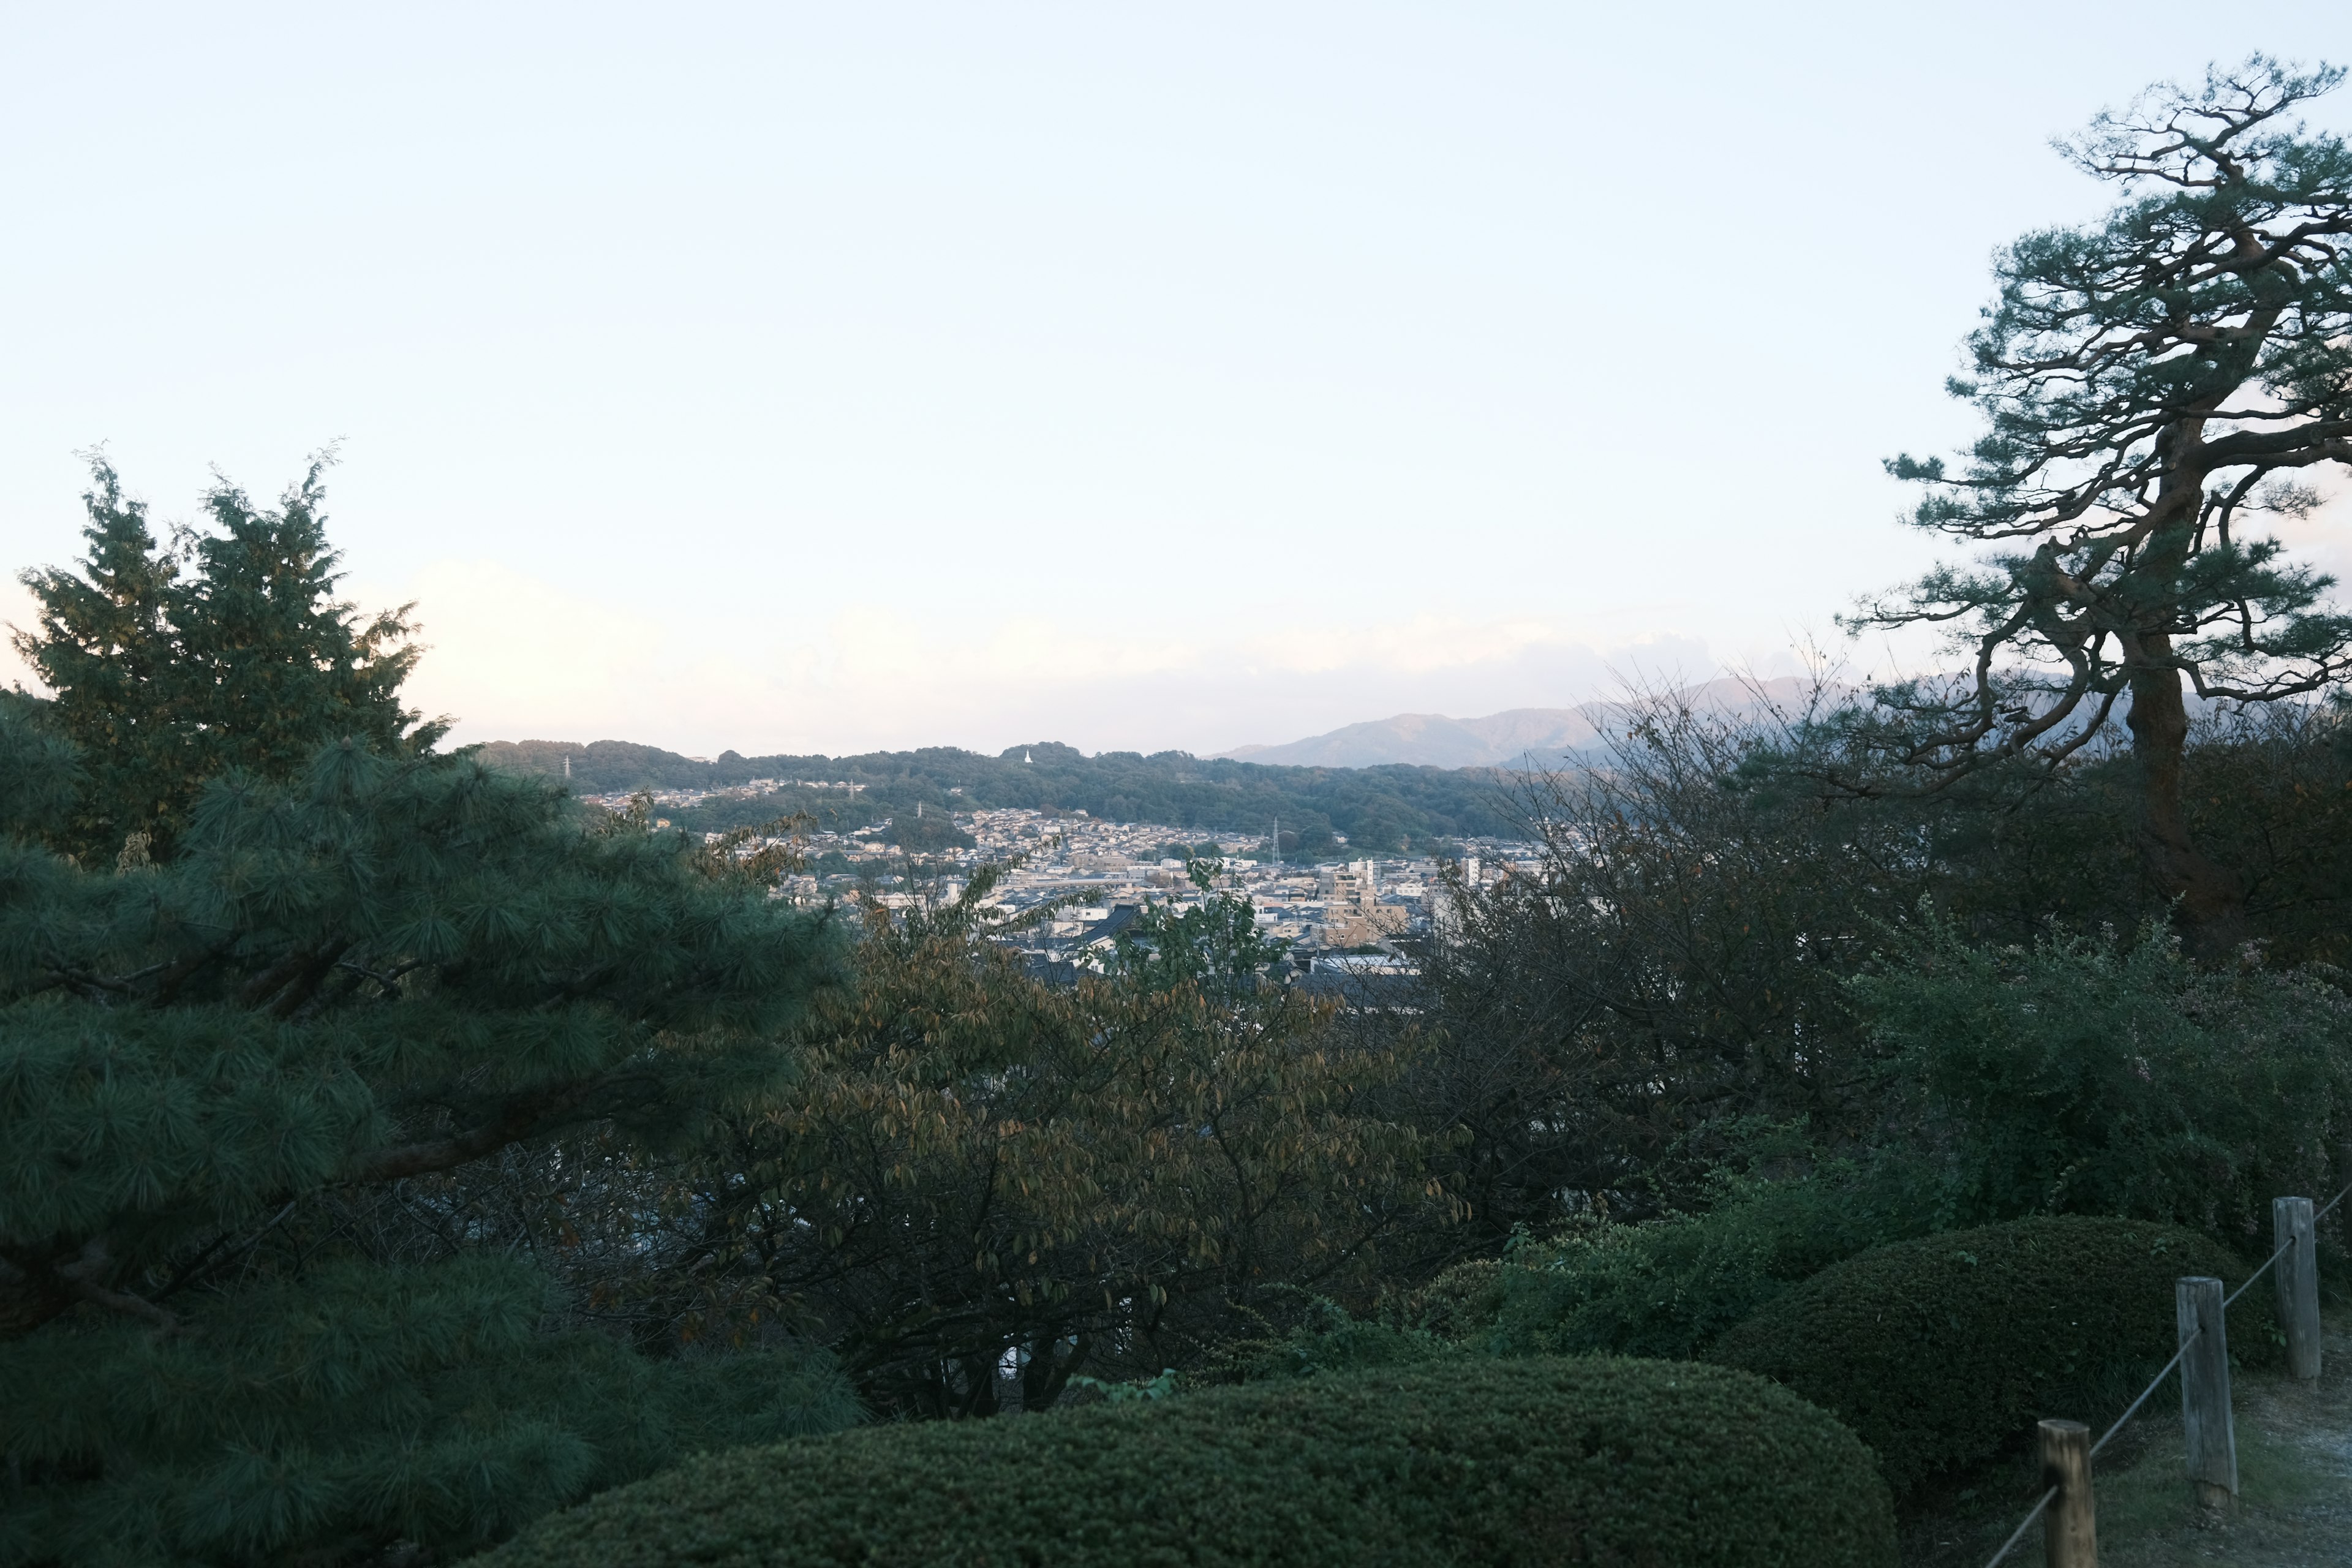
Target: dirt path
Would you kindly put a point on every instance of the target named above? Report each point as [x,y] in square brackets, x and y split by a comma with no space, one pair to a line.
[2294,1475]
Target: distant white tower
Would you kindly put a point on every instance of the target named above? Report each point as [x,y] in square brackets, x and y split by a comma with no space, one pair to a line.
[1027,758]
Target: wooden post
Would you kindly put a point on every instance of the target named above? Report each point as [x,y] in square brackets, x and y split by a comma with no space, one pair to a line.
[2298,1283]
[2069,1529]
[2205,1391]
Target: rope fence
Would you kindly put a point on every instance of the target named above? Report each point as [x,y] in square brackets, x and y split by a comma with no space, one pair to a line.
[2212,1448]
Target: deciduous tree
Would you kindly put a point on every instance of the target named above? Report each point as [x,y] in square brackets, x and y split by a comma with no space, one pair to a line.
[984,1181]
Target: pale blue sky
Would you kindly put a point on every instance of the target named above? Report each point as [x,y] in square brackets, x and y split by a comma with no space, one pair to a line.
[826,378]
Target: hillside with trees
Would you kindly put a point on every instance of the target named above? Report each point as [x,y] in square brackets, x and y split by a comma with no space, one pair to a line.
[1383,809]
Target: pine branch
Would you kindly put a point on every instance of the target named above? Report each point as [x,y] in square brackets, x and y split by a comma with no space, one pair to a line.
[43,1289]
[313,974]
[177,977]
[388,982]
[271,981]
[211,1259]
[522,1117]
[81,1277]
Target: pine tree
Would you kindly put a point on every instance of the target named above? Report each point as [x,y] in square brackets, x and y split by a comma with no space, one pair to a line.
[169,665]
[2152,385]
[103,646]
[339,988]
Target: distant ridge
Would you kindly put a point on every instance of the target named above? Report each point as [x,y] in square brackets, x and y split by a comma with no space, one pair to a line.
[1517,737]
[1379,811]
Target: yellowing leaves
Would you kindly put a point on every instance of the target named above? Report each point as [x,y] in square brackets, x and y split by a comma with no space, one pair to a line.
[970,1159]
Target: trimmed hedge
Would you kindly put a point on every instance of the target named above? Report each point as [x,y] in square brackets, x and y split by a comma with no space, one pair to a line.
[1943,1351]
[1461,1461]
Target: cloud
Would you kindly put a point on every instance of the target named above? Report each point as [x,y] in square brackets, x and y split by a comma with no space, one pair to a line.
[512,655]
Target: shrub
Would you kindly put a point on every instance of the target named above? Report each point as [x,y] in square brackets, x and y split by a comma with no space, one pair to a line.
[1325,1338]
[1669,1287]
[1943,1352]
[1468,1461]
[2095,1078]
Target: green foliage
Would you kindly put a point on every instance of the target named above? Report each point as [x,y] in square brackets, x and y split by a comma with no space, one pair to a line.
[169,668]
[927,834]
[2092,1077]
[1944,1351]
[1669,1287]
[2155,388]
[1159,1387]
[975,1170]
[1213,943]
[2108,470]
[39,773]
[1326,1338]
[357,1406]
[1671,965]
[2074,1076]
[1679,958]
[1529,1462]
[2270,795]
[229,1084]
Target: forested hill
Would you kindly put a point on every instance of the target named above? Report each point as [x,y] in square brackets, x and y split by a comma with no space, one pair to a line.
[1376,808]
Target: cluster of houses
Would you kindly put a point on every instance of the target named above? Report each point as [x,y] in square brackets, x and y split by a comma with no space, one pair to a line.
[1068,884]
[1075,883]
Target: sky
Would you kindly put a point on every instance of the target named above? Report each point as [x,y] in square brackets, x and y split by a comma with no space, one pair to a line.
[824,378]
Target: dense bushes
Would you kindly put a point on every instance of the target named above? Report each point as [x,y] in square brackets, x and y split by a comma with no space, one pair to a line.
[1944,1351]
[1324,1338]
[1667,1287]
[1466,1461]
[2070,1076]
[2089,1077]
[1680,955]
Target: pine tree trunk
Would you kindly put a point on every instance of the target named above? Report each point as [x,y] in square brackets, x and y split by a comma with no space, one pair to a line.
[2210,899]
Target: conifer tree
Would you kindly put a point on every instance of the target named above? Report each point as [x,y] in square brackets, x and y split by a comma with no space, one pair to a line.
[2152,386]
[341,983]
[171,663]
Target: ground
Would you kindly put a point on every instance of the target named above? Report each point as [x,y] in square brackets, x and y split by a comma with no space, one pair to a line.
[2294,1475]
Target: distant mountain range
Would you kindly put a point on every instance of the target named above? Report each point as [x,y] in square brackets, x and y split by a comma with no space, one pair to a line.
[1416,779]
[1517,737]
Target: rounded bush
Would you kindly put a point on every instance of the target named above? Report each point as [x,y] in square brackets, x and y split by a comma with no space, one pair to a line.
[1461,1461]
[1943,1351]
